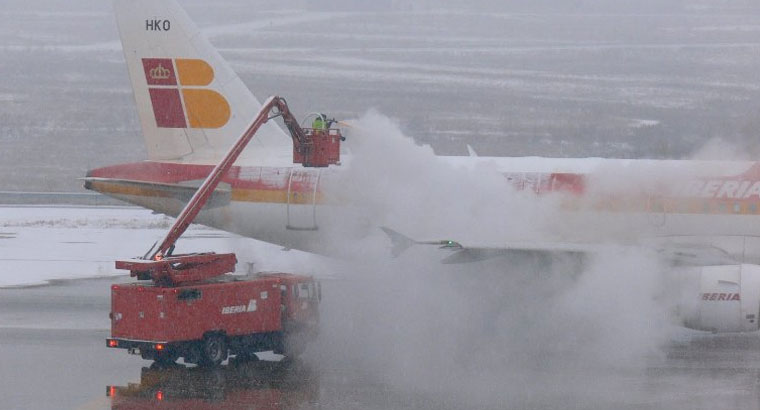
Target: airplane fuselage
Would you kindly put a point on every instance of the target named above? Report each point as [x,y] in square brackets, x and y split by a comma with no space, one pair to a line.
[296,208]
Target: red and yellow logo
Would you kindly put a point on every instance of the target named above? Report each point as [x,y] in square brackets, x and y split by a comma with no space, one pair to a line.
[179,94]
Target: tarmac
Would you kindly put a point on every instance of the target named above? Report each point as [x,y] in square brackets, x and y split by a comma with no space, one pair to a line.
[54,357]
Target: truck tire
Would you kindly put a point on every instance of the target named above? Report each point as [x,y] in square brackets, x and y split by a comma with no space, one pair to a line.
[213,350]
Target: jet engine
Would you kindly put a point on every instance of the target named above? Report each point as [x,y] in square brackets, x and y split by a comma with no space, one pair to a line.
[728,298]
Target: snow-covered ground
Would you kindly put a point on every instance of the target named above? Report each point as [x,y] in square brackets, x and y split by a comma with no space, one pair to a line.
[43,243]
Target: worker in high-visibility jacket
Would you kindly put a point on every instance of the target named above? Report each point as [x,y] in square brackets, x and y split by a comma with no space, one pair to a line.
[319,123]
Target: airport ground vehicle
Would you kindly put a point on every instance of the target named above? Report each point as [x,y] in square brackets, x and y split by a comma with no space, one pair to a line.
[203,321]
[192,309]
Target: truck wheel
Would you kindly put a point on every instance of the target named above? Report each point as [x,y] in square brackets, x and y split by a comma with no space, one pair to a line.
[213,350]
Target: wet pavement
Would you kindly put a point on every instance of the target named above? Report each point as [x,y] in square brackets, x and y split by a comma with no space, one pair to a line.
[53,356]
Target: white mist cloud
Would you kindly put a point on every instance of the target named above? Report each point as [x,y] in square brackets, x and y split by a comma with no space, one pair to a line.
[497,331]
[719,149]
[404,186]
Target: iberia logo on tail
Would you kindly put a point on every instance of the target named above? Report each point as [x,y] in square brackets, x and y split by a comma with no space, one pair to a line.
[180,96]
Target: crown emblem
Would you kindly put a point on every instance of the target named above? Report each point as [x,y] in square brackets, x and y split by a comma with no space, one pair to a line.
[160,73]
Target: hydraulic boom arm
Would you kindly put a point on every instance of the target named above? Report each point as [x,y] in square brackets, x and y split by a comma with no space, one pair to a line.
[199,199]
[317,149]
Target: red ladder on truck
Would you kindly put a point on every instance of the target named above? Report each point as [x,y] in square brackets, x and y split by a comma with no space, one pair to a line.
[314,148]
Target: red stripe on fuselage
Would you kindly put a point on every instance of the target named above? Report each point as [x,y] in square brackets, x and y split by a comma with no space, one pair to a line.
[259,178]
[297,185]
[297,180]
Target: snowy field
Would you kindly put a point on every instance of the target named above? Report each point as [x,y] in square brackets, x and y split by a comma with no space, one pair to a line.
[40,244]
[654,79]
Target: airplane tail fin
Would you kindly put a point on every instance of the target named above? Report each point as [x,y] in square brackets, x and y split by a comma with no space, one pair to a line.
[192,105]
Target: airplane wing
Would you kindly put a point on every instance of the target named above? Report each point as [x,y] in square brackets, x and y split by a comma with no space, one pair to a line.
[676,254]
